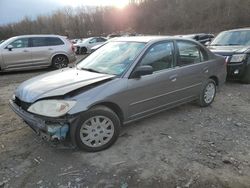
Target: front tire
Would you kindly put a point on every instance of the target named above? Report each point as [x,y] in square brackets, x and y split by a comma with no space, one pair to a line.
[96,129]
[83,50]
[208,93]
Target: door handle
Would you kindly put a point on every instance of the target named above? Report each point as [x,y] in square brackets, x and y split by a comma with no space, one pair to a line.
[173,78]
[50,48]
[25,51]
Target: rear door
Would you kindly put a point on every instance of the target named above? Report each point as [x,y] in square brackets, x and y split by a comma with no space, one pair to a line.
[192,68]
[151,93]
[19,56]
[40,51]
[43,48]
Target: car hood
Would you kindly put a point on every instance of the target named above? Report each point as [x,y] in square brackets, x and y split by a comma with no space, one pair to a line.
[229,50]
[57,83]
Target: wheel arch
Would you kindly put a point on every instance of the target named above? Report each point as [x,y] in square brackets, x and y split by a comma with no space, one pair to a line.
[56,54]
[215,78]
[114,107]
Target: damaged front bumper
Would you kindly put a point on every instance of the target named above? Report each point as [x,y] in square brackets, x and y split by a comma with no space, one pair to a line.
[49,129]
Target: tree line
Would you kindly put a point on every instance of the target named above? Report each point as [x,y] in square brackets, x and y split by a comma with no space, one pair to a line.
[154,17]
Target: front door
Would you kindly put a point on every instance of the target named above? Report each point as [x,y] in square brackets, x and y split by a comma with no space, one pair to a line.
[151,93]
[19,55]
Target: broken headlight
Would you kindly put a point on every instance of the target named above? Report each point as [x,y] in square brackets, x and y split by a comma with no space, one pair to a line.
[51,108]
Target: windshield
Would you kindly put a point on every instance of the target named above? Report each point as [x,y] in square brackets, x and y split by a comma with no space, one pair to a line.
[230,38]
[112,58]
[81,41]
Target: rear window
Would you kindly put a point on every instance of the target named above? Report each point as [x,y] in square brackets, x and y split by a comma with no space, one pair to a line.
[46,41]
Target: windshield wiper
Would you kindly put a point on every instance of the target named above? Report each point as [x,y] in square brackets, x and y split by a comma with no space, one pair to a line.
[91,70]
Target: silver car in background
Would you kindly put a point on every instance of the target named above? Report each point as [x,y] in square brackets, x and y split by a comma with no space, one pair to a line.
[125,80]
[36,51]
[84,46]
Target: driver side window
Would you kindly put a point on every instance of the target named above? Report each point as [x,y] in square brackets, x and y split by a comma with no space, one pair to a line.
[92,41]
[20,43]
[159,56]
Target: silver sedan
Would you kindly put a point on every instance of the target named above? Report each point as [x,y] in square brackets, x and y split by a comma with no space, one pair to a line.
[125,80]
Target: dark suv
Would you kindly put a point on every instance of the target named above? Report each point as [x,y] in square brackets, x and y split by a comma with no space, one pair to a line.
[203,38]
[234,45]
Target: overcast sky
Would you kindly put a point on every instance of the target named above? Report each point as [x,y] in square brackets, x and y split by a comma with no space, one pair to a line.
[15,10]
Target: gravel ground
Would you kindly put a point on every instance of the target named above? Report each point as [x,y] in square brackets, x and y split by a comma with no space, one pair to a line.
[187,146]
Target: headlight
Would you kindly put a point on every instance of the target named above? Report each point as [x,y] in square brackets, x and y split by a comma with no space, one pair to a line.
[238,58]
[51,108]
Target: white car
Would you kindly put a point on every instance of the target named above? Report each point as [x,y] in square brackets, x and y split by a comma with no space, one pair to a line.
[85,46]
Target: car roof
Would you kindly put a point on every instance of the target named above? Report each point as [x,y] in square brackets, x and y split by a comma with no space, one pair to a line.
[145,39]
[42,35]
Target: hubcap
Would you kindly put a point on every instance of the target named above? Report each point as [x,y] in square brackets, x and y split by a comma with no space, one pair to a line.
[209,93]
[97,131]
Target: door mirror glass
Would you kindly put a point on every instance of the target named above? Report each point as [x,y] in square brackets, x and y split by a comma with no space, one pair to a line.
[142,70]
[9,47]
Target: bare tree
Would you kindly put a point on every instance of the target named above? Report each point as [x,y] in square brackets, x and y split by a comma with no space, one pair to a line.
[143,16]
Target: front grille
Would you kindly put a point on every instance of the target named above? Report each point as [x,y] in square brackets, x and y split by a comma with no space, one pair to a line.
[22,104]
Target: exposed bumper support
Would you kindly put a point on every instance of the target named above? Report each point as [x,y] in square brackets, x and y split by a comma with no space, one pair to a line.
[49,130]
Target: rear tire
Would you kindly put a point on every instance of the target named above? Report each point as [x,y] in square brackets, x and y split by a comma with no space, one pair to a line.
[96,130]
[60,61]
[246,77]
[208,93]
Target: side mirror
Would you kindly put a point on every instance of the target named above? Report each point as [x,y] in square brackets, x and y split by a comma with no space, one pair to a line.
[9,47]
[142,70]
[207,43]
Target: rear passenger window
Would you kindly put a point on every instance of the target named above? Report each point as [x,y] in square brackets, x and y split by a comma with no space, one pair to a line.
[190,53]
[38,41]
[46,41]
[159,56]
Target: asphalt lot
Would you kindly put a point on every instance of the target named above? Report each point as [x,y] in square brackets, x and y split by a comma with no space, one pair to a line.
[187,146]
